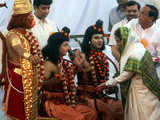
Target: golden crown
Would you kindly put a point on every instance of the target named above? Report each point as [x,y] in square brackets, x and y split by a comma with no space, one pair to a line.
[22,6]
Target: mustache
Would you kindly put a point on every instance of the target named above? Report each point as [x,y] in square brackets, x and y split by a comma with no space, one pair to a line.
[133,16]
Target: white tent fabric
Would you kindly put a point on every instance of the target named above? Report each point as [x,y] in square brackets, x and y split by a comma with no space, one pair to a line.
[77,15]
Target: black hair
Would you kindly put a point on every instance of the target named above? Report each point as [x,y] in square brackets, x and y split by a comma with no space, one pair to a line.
[91,30]
[153,12]
[118,33]
[37,3]
[51,50]
[131,3]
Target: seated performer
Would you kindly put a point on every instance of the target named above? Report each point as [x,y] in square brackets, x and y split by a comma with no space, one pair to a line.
[140,86]
[93,46]
[60,99]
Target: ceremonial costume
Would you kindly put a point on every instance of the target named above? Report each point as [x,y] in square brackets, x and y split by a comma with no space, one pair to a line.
[21,79]
[107,108]
[64,103]
[61,100]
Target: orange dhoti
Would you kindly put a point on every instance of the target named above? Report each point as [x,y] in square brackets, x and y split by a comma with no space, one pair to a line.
[108,109]
[66,112]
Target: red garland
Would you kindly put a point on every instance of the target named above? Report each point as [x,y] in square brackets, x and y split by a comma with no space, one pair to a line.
[99,66]
[68,81]
[35,50]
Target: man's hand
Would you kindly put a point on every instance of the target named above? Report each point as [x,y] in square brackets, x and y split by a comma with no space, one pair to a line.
[101,86]
[35,59]
[79,58]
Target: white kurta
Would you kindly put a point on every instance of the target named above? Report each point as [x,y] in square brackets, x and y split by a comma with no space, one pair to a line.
[42,30]
[141,103]
[150,35]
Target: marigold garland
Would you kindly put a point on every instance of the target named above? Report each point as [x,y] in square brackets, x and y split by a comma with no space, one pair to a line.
[68,81]
[35,50]
[99,66]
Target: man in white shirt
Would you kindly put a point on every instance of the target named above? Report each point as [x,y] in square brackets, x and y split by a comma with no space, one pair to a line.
[44,27]
[148,31]
[131,11]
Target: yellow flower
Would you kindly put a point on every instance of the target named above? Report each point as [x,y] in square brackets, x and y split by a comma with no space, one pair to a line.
[144,43]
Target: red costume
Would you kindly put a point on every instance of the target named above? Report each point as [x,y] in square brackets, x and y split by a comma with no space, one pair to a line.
[20,83]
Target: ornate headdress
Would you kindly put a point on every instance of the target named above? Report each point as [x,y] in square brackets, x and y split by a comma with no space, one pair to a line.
[91,30]
[95,29]
[22,7]
[51,50]
[60,37]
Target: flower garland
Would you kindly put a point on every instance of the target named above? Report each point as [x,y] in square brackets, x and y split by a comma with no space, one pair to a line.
[67,76]
[99,66]
[31,45]
[35,50]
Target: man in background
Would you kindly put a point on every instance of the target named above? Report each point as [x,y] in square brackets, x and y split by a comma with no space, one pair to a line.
[116,14]
[44,27]
[147,30]
[132,9]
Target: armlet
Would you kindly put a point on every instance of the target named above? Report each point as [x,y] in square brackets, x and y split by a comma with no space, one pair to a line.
[15,42]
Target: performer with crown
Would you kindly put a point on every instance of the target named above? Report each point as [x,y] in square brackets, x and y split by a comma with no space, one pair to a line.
[24,64]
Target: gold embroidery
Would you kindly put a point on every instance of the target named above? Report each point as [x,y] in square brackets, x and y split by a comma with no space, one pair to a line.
[18,71]
[26,55]
[22,6]
[15,42]
[27,79]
